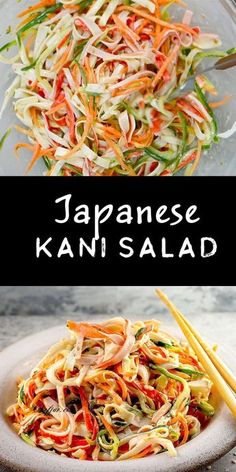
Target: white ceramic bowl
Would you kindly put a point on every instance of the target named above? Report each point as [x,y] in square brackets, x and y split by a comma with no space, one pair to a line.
[215,441]
[217,16]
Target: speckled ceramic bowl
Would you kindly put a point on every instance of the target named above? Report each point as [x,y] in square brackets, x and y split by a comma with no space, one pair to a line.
[215,441]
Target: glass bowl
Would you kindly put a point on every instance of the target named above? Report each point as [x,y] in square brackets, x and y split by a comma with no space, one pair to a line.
[218,16]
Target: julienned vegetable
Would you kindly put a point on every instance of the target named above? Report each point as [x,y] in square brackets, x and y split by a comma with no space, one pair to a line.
[4,137]
[114,391]
[93,87]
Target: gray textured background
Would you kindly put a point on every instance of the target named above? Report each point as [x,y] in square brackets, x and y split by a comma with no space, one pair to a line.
[25,310]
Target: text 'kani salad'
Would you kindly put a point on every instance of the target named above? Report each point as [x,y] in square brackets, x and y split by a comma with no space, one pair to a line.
[114,391]
[94,85]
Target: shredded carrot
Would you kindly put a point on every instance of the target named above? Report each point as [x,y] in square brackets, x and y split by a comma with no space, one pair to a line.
[64,58]
[35,157]
[111,130]
[164,66]
[180,2]
[221,103]
[119,155]
[180,419]
[89,330]
[37,153]
[63,41]
[18,146]
[55,108]
[166,47]
[157,27]
[123,388]
[108,172]
[153,19]
[34,115]
[37,6]
[89,72]
[81,141]
[115,397]
[144,140]
[127,32]
[107,426]
[132,86]
[140,28]
[71,7]
[180,374]
[143,453]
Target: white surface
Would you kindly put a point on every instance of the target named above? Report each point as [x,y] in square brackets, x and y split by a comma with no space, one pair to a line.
[26,310]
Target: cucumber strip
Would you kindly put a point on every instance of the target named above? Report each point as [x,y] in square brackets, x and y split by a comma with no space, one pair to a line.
[202,98]
[8,45]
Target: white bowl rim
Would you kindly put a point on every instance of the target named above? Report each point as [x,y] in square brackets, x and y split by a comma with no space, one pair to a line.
[215,441]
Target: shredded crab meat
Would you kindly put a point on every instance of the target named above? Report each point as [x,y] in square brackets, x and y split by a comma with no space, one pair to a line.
[114,391]
[102,74]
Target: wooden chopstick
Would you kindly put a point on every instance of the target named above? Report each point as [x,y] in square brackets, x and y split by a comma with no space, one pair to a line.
[226,373]
[215,376]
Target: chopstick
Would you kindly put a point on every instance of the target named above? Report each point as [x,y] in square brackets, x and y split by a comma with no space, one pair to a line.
[214,370]
[226,373]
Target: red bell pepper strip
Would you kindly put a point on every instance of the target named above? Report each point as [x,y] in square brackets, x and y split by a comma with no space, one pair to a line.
[59,83]
[95,428]
[151,393]
[88,418]
[77,441]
